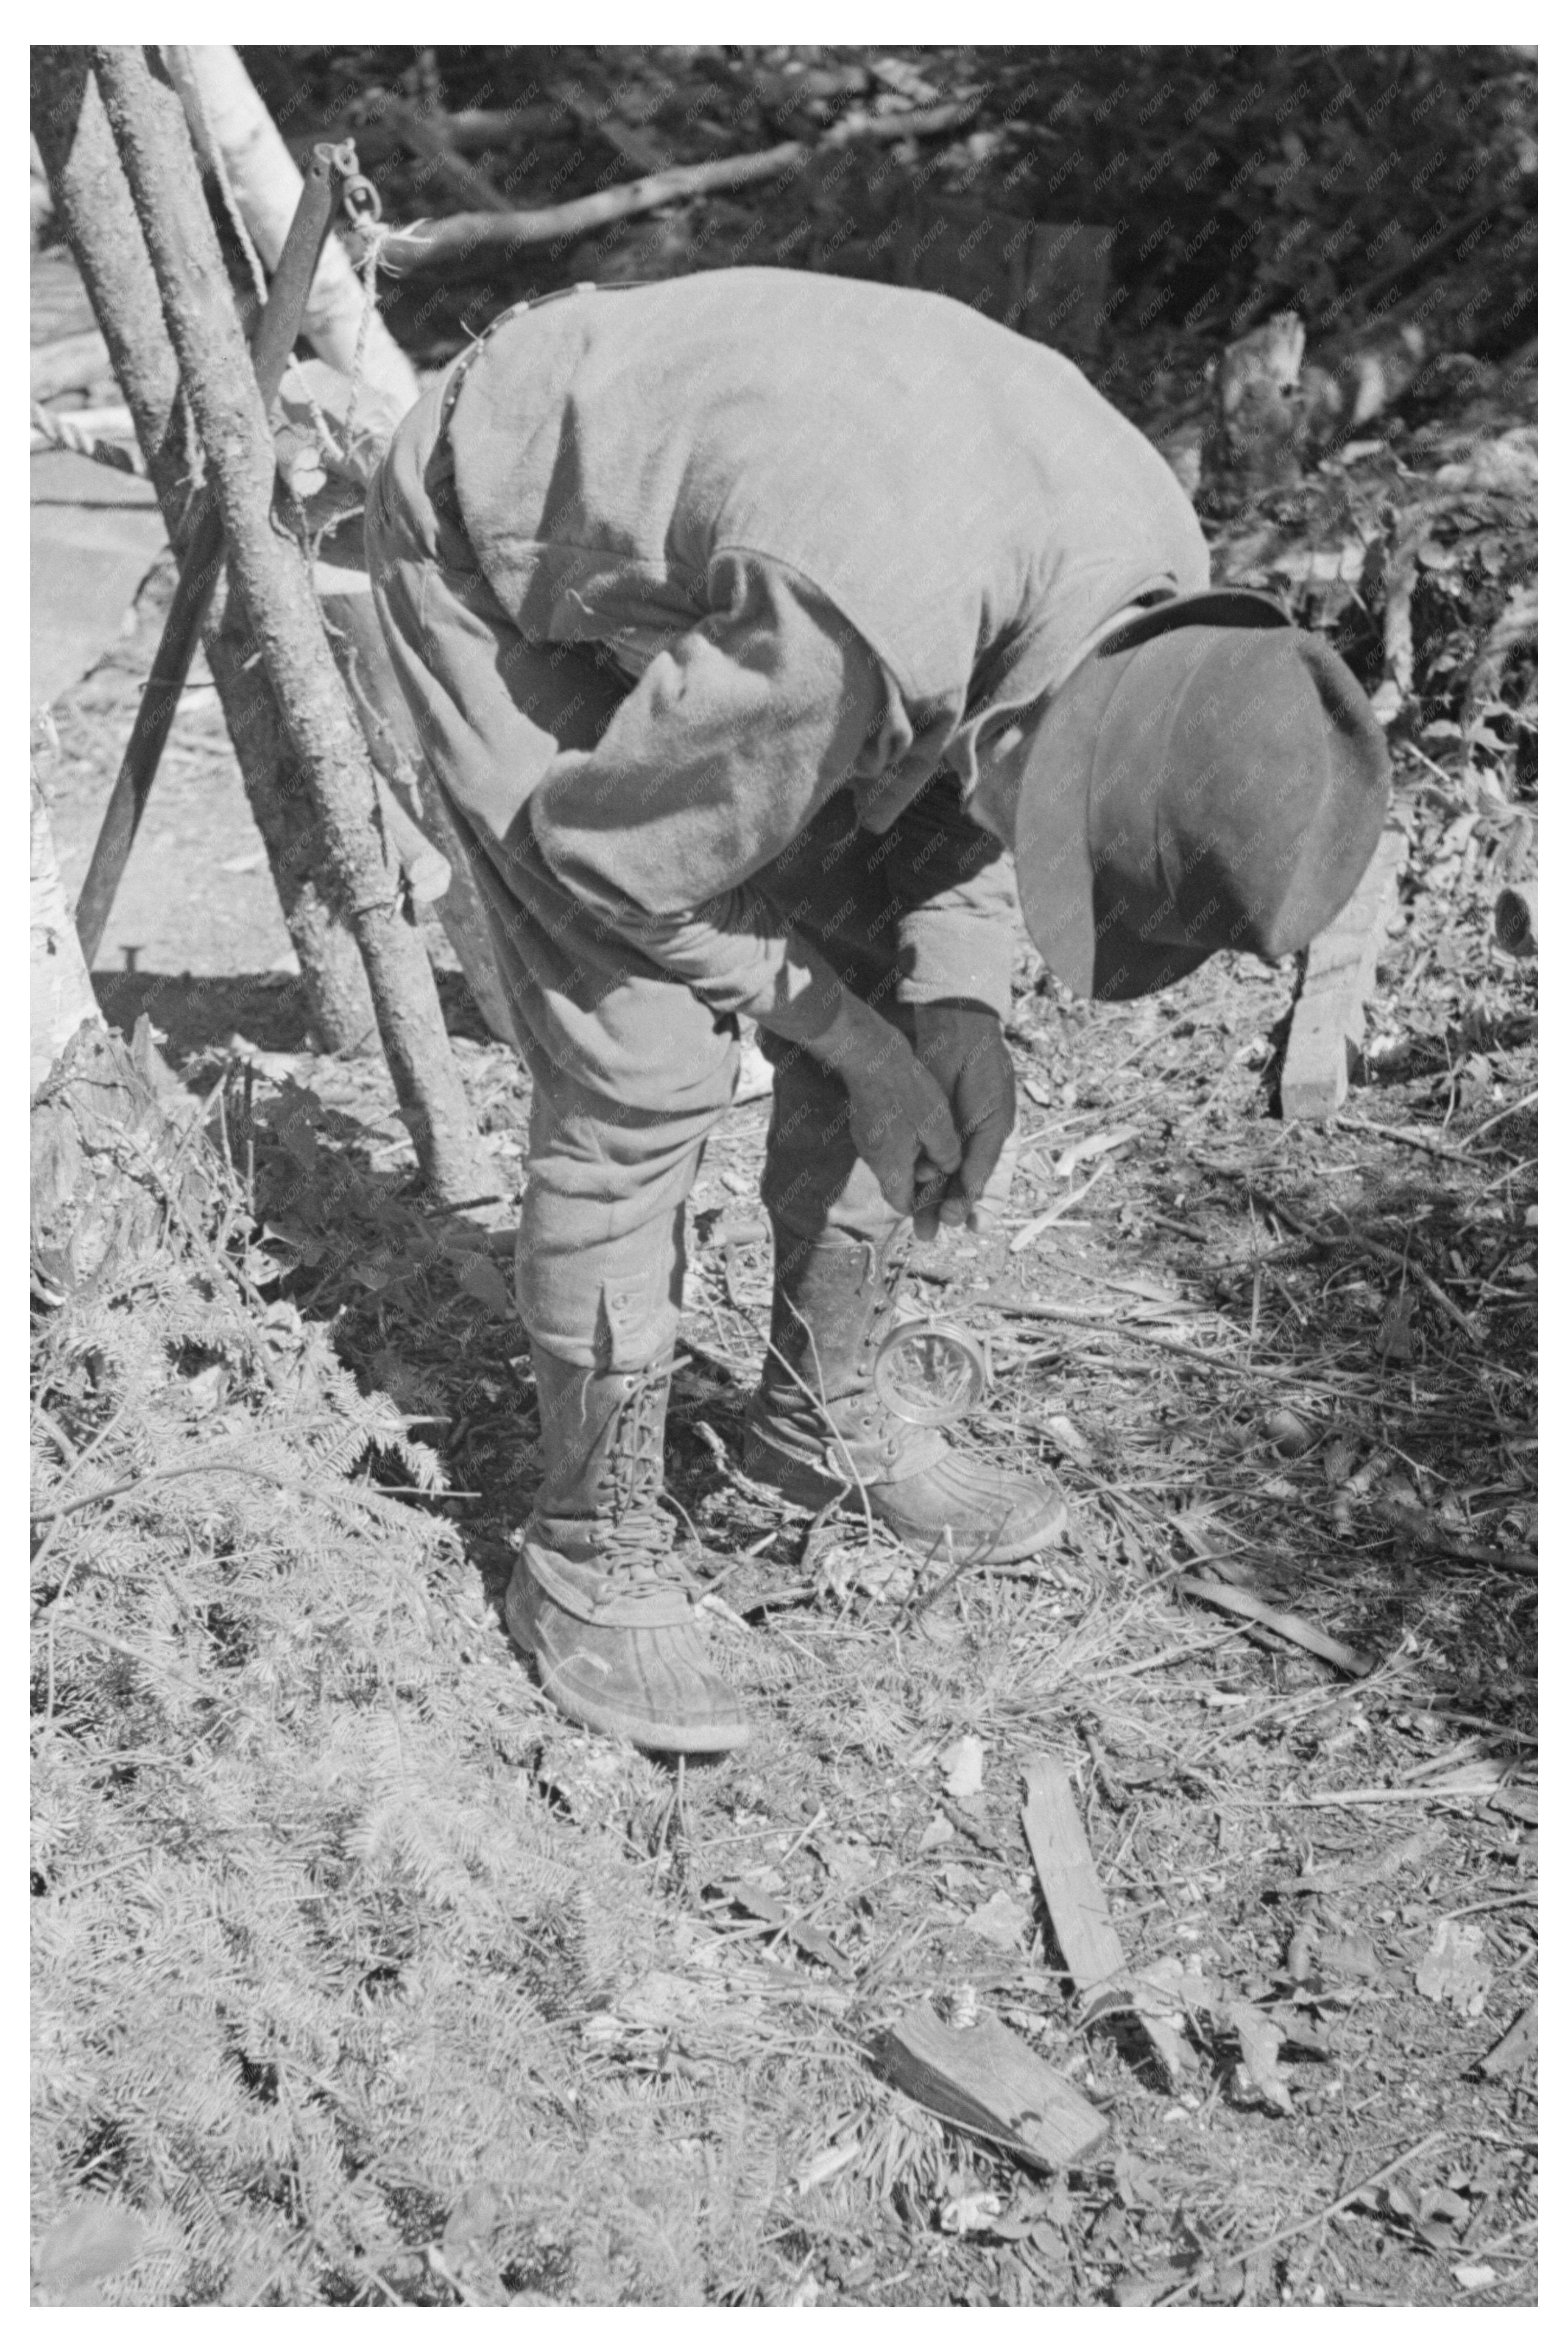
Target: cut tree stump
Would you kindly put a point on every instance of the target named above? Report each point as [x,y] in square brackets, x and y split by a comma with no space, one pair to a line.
[112,1168]
[985,2080]
[1327,1022]
[1080,1915]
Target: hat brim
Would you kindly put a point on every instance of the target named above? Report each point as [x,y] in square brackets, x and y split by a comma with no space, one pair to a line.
[1051,850]
[1100,956]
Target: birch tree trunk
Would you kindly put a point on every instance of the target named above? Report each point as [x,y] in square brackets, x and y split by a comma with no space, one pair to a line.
[155,151]
[230,124]
[60,993]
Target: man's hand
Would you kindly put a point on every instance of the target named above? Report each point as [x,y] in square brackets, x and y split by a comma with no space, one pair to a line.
[960,1044]
[898,1117]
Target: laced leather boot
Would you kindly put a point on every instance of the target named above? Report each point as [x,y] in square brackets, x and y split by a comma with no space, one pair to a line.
[597,1596]
[817,1425]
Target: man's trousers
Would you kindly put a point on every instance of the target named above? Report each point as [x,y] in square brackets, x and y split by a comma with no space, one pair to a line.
[630,1070]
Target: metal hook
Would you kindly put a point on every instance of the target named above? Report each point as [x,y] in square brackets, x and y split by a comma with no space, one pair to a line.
[361,200]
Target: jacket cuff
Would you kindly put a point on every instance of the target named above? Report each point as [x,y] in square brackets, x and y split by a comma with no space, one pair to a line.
[957,951]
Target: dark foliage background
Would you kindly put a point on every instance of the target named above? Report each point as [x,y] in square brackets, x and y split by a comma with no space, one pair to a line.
[1235,181]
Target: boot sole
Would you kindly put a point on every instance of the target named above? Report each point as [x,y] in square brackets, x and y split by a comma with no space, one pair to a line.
[813,1492]
[661,1738]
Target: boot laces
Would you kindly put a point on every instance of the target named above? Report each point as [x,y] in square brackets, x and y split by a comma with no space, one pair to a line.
[632,1537]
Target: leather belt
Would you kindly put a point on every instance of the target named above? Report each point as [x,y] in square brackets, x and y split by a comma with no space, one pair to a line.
[464,360]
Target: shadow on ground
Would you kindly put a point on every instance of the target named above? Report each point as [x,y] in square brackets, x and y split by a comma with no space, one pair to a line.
[199,1013]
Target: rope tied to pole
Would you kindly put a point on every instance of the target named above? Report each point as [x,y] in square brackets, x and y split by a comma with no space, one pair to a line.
[362,205]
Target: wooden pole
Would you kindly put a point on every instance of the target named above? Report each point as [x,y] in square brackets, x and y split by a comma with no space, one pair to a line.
[149,127]
[93,206]
[275,336]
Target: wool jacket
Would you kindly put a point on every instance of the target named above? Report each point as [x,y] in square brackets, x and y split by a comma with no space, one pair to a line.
[841,535]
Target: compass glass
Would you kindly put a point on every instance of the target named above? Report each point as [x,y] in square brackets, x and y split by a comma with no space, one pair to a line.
[929,1373]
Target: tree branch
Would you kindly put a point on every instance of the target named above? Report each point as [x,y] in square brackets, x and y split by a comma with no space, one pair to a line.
[488,238]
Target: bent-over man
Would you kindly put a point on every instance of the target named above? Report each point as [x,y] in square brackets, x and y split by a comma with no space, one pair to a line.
[761,627]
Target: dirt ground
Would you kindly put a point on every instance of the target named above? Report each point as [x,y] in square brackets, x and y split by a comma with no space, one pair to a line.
[1286,1363]
[1248,1349]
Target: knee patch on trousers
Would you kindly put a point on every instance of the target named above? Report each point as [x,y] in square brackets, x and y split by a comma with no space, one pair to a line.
[606,1308]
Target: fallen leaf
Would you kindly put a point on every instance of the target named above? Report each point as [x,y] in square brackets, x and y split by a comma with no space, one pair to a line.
[1002,1920]
[1338,1461]
[476,2216]
[1349,1956]
[975,2209]
[849,1860]
[90,2240]
[1135,2184]
[1067,1437]
[1288,1432]
[826,2163]
[1393,1331]
[1472,2275]
[1136,2294]
[1454,1969]
[1093,1147]
[1262,2042]
[482,1279]
[750,1898]
[1442,2218]
[1516,2048]
[662,2000]
[936,1832]
[963,1766]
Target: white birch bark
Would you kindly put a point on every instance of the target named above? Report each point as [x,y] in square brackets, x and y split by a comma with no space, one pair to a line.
[225,110]
[60,995]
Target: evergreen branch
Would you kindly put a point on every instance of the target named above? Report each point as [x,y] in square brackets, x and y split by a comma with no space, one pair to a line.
[194,1469]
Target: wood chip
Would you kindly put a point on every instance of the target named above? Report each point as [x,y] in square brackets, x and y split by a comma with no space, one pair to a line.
[984,2079]
[1037,1225]
[1517,2047]
[1283,1621]
[749,1897]
[1477,1781]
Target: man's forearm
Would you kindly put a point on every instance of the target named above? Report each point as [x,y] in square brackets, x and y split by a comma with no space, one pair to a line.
[736,955]
[959,933]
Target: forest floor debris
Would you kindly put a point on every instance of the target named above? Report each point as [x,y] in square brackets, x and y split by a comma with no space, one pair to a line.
[456,1949]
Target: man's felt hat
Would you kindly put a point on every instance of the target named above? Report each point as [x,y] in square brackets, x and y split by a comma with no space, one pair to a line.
[1208,777]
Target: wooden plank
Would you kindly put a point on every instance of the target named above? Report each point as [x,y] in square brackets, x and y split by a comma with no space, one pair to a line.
[984,2079]
[1341,972]
[1080,1914]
